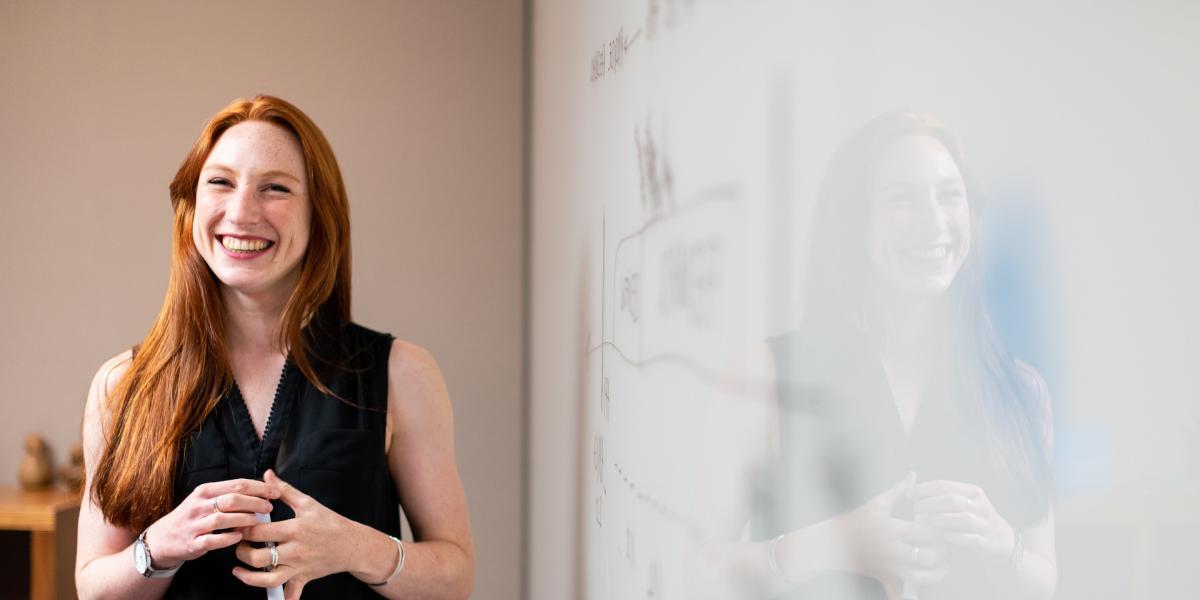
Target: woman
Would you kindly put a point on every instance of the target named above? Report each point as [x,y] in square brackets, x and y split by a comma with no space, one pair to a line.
[914,450]
[255,398]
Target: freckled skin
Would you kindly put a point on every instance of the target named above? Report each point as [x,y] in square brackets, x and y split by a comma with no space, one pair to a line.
[253,184]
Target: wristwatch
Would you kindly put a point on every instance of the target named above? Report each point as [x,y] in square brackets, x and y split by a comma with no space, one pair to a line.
[142,560]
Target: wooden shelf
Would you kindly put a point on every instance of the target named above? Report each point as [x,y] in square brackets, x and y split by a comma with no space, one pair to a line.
[34,511]
[51,516]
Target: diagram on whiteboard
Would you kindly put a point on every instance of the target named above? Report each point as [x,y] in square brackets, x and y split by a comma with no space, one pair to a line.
[671,287]
[672,425]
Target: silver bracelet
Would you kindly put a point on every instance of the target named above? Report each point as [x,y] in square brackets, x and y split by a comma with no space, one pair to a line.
[399,563]
[772,562]
[1018,551]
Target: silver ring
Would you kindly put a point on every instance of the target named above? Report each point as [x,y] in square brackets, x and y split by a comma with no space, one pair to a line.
[274,556]
[970,503]
[216,509]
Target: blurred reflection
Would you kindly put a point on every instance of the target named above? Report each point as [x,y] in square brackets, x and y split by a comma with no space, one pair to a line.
[914,450]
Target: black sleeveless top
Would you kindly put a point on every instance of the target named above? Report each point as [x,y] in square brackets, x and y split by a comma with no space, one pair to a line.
[842,442]
[327,448]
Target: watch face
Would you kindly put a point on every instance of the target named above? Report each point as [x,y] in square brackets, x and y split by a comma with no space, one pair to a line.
[139,557]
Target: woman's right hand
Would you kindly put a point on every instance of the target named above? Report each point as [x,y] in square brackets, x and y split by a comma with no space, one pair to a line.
[891,550]
[211,517]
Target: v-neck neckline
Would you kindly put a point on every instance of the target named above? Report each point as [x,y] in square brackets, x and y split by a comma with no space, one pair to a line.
[921,399]
[925,398]
[276,417]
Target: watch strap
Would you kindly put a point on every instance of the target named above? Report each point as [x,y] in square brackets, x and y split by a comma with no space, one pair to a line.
[150,571]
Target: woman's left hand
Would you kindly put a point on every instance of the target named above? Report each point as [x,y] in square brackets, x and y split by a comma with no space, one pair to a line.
[312,545]
[966,518]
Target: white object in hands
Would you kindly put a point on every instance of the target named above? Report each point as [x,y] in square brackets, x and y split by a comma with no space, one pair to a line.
[273,593]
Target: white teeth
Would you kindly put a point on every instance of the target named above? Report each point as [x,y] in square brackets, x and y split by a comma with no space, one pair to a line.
[929,253]
[240,245]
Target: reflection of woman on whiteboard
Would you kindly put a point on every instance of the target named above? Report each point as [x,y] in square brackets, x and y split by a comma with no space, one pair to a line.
[914,451]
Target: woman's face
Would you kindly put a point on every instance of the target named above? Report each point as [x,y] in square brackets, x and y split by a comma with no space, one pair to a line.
[252,209]
[920,225]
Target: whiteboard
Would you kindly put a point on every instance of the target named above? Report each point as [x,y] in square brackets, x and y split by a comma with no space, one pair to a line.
[677,146]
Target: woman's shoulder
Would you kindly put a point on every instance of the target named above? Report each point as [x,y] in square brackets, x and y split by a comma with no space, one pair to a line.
[110,372]
[411,363]
[1032,383]
[418,395]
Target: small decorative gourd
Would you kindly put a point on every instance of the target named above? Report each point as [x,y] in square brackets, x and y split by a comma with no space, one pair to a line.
[35,472]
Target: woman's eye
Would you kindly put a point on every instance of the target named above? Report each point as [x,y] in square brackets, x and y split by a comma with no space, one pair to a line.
[953,196]
[219,181]
[275,187]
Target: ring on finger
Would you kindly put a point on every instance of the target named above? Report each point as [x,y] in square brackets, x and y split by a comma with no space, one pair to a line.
[216,507]
[274,556]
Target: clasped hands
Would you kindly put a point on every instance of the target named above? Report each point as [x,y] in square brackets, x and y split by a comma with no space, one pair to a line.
[948,515]
[316,543]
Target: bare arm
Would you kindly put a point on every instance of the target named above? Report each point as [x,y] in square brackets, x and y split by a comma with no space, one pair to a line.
[441,564]
[104,565]
[104,556]
[1036,574]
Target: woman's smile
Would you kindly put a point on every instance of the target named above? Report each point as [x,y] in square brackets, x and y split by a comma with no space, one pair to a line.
[935,252]
[242,248]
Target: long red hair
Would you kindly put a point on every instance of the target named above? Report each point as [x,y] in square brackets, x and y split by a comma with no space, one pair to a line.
[181,369]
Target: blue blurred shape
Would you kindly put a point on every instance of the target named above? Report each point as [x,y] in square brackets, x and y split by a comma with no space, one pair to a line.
[1083,460]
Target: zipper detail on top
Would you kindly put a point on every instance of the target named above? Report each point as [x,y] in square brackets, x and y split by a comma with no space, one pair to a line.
[262,442]
[270,414]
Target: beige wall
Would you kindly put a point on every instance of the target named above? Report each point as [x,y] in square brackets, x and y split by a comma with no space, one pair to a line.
[422,103]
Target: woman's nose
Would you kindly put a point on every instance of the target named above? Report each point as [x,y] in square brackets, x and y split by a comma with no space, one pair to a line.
[933,212]
[243,207]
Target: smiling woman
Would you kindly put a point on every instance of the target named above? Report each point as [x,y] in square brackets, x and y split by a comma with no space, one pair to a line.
[256,412]
[252,208]
[914,450]
[920,224]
